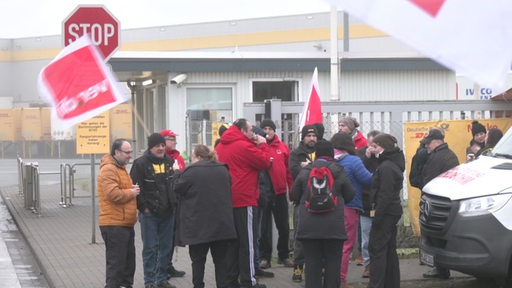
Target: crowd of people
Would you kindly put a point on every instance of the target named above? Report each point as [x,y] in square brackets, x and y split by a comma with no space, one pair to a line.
[345,194]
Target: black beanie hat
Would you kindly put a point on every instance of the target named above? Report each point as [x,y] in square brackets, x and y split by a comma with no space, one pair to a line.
[343,141]
[268,123]
[320,129]
[324,148]
[476,128]
[385,141]
[223,128]
[306,130]
[155,139]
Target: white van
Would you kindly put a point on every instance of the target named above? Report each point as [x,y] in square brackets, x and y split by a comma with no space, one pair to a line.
[466,216]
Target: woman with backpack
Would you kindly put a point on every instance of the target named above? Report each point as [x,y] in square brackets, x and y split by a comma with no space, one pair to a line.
[321,189]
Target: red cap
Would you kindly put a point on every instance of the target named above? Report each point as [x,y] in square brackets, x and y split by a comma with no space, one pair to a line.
[168,133]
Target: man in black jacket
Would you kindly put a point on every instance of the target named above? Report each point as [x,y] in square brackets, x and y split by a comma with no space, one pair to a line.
[156,201]
[301,157]
[440,159]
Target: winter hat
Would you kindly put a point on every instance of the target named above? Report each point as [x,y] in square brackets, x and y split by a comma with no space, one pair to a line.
[258,131]
[343,141]
[386,141]
[350,122]
[306,130]
[433,134]
[320,129]
[223,128]
[268,123]
[476,128]
[155,139]
[324,148]
[168,133]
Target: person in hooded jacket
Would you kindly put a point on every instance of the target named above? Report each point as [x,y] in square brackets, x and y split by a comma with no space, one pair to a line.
[387,183]
[322,234]
[359,176]
[204,189]
[156,203]
[245,154]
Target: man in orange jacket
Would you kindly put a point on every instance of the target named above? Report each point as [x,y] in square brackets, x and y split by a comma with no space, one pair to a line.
[118,214]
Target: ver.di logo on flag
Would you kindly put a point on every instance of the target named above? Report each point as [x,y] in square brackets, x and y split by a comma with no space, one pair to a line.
[78,84]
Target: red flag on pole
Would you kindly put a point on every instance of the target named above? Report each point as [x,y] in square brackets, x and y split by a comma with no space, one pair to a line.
[78,84]
[312,112]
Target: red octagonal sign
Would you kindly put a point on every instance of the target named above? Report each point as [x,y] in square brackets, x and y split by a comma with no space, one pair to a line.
[98,22]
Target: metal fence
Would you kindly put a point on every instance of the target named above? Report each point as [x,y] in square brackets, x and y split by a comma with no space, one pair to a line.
[387,117]
[29,185]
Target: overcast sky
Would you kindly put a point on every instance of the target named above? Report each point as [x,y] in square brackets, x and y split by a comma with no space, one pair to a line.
[29,18]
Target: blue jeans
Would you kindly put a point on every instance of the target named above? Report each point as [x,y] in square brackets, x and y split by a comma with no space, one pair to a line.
[157,236]
[366,225]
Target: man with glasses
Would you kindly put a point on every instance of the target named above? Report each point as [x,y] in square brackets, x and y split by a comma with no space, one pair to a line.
[118,214]
[156,203]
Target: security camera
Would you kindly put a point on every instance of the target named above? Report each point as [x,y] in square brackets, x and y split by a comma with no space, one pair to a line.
[178,79]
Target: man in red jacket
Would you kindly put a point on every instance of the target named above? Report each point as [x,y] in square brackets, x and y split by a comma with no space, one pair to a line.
[245,154]
[170,149]
[281,182]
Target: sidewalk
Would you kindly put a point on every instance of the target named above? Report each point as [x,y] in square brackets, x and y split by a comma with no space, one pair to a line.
[62,240]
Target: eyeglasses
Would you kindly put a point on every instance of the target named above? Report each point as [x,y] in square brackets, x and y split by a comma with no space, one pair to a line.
[127,152]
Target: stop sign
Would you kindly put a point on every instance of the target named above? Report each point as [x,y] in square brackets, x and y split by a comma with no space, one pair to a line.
[98,22]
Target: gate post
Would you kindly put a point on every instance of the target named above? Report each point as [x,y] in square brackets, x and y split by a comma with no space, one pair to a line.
[28,186]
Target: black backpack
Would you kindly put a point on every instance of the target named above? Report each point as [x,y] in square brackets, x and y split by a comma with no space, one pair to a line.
[320,184]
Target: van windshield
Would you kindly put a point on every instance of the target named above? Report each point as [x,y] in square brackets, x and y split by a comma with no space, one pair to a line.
[504,146]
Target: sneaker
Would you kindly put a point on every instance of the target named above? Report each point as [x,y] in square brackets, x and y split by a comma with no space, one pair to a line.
[297,274]
[165,284]
[264,264]
[263,273]
[287,262]
[437,272]
[366,273]
[172,272]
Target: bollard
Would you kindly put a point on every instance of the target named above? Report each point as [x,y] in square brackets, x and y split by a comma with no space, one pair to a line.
[28,186]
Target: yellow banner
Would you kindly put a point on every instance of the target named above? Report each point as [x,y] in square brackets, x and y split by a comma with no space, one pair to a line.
[121,122]
[31,124]
[457,135]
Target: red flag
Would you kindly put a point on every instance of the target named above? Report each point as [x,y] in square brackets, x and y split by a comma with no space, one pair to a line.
[78,84]
[471,37]
[312,112]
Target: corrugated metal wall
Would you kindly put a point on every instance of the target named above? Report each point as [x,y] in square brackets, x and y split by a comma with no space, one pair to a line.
[416,85]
